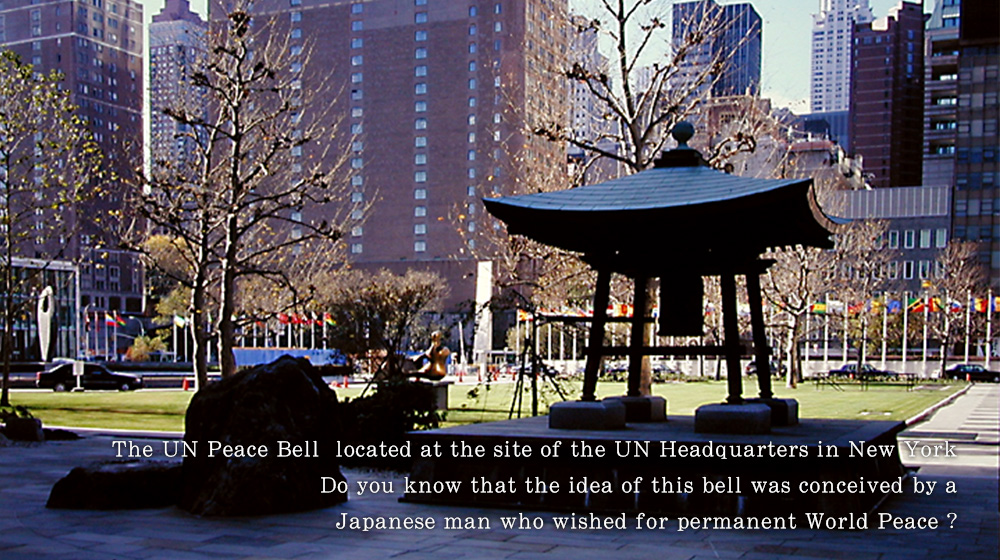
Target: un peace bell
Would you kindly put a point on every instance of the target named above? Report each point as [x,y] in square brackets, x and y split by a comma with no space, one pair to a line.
[681,316]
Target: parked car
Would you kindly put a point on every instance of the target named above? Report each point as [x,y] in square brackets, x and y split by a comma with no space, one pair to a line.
[778,369]
[972,372]
[95,376]
[867,370]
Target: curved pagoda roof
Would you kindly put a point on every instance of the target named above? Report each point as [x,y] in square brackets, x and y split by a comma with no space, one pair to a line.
[679,209]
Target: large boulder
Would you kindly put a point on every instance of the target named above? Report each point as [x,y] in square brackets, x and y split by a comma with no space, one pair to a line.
[118,485]
[284,406]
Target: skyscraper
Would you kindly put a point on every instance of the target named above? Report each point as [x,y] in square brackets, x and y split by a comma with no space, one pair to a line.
[737,43]
[976,210]
[941,93]
[831,53]
[176,44]
[438,96]
[97,46]
[887,97]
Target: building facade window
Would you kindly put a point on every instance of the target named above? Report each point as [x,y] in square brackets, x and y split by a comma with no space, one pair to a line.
[925,238]
[909,238]
[941,238]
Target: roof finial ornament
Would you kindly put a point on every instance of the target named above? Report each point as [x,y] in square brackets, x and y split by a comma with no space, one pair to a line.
[682,132]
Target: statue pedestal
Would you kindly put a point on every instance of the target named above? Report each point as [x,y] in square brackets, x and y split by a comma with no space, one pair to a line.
[643,409]
[587,415]
[784,412]
[733,419]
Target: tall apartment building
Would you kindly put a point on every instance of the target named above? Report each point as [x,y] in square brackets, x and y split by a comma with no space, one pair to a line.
[887,96]
[176,44]
[438,96]
[738,43]
[586,113]
[833,26]
[941,92]
[976,210]
[97,46]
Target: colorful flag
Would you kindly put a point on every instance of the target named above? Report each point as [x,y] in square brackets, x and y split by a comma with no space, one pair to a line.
[119,320]
[180,322]
[283,318]
[328,319]
[523,315]
[109,320]
[915,305]
[855,308]
[954,307]
[934,305]
[819,308]
[895,306]
[981,305]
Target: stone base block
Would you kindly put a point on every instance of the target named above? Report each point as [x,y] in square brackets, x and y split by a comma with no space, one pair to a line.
[784,412]
[441,394]
[643,409]
[732,419]
[583,415]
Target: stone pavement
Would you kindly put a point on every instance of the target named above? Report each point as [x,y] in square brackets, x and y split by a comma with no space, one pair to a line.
[29,531]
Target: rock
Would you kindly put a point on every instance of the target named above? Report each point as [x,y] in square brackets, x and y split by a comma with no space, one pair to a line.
[24,429]
[284,401]
[127,484]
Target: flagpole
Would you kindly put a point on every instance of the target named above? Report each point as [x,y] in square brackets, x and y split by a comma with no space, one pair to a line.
[826,329]
[846,358]
[989,330]
[176,344]
[926,318]
[968,322]
[885,327]
[906,317]
[107,345]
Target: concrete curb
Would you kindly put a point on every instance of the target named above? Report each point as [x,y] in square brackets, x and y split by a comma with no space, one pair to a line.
[136,434]
[934,408]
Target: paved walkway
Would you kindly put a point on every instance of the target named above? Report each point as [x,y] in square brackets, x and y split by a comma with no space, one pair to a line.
[29,531]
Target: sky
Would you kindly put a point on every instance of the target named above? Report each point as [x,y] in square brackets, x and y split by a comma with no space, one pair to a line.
[787,31]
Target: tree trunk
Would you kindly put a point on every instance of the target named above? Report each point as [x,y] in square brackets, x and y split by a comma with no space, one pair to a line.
[199,332]
[8,328]
[945,339]
[227,303]
[792,351]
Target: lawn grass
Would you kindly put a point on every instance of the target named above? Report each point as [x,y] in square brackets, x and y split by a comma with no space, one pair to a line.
[164,410]
[878,402]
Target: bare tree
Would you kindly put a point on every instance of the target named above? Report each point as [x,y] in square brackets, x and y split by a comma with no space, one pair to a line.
[264,159]
[862,262]
[962,274]
[49,165]
[677,75]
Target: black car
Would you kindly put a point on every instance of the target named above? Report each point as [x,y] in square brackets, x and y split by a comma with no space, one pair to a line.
[972,372]
[867,370]
[95,376]
[777,369]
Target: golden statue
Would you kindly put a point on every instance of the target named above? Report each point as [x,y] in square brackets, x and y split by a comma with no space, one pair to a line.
[432,363]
